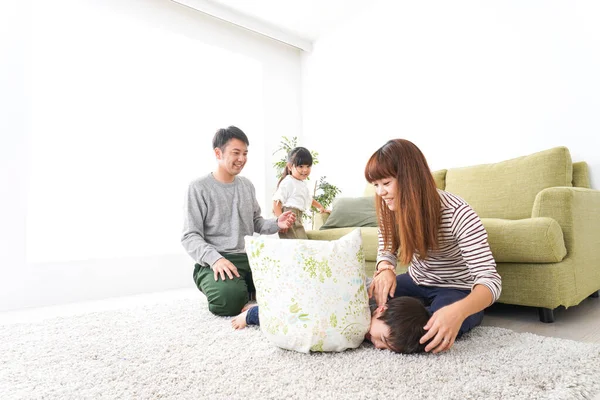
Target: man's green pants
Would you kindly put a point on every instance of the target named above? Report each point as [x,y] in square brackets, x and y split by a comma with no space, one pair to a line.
[226,297]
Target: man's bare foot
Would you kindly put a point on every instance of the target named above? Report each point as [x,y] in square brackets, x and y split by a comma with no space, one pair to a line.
[239,322]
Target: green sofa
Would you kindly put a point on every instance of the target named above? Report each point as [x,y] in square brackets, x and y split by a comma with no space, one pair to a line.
[543,224]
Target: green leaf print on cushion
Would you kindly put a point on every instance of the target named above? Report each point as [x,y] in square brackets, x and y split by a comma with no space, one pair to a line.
[318,269]
[318,346]
[257,249]
[333,320]
[360,255]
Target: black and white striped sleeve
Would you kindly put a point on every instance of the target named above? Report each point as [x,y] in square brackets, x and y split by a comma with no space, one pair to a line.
[473,242]
[385,254]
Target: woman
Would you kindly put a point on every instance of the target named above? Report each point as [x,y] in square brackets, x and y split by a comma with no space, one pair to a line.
[439,236]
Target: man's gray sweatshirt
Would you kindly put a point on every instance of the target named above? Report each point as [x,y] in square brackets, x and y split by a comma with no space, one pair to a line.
[218,215]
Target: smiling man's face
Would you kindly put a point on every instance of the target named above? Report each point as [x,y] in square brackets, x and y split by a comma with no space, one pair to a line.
[233,157]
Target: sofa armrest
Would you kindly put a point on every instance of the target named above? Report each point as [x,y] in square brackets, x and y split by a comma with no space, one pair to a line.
[577,211]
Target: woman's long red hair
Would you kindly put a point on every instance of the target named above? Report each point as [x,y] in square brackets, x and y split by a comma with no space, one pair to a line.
[413,227]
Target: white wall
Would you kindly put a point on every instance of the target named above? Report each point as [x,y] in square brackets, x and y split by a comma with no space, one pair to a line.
[469,82]
[31,281]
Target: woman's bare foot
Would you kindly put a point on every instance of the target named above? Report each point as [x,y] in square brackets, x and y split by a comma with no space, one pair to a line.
[239,322]
[249,305]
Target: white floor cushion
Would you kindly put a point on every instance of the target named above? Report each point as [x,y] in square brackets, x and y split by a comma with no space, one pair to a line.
[311,293]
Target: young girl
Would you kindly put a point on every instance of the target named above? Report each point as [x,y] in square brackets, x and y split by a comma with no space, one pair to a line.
[439,236]
[293,194]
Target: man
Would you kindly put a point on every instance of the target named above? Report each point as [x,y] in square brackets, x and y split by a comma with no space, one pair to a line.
[220,209]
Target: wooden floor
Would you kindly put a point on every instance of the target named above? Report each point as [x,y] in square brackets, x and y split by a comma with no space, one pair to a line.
[581,323]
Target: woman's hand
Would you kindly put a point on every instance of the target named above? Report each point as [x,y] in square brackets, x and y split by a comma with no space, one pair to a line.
[383,285]
[444,324]
[443,327]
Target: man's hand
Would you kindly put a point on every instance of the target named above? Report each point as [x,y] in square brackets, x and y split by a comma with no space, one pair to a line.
[224,267]
[286,220]
[383,285]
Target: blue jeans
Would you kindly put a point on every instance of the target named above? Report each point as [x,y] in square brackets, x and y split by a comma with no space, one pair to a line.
[435,298]
[252,316]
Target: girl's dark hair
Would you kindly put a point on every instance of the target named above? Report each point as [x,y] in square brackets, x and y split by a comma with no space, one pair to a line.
[224,135]
[413,226]
[406,316]
[296,156]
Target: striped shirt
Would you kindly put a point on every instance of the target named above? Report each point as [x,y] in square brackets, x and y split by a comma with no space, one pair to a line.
[464,258]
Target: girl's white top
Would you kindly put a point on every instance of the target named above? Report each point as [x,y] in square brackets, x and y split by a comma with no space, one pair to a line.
[293,193]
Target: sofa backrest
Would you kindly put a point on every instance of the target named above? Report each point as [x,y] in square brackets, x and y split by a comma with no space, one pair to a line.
[508,189]
[581,175]
[499,180]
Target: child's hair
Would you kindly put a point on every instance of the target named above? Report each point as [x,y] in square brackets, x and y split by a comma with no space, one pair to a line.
[405,316]
[224,135]
[297,156]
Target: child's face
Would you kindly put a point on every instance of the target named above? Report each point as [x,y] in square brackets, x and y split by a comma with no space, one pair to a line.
[379,331]
[301,172]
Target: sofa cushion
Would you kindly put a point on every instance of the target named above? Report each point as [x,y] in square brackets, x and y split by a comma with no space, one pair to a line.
[536,240]
[352,212]
[507,189]
[530,240]
[311,294]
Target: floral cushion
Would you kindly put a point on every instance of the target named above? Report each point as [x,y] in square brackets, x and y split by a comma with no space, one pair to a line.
[311,293]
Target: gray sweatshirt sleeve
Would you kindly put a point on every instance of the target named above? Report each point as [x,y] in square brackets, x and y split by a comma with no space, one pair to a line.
[193,229]
[261,225]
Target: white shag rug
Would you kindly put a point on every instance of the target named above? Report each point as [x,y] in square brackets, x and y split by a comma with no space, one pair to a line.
[178,350]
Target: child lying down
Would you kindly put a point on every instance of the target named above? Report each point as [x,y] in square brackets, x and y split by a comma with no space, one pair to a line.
[397,326]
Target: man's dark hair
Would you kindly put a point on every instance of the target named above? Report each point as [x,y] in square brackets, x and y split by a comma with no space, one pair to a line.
[224,135]
[406,316]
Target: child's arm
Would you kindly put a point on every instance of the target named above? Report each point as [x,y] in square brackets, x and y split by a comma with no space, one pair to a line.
[277,208]
[319,207]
